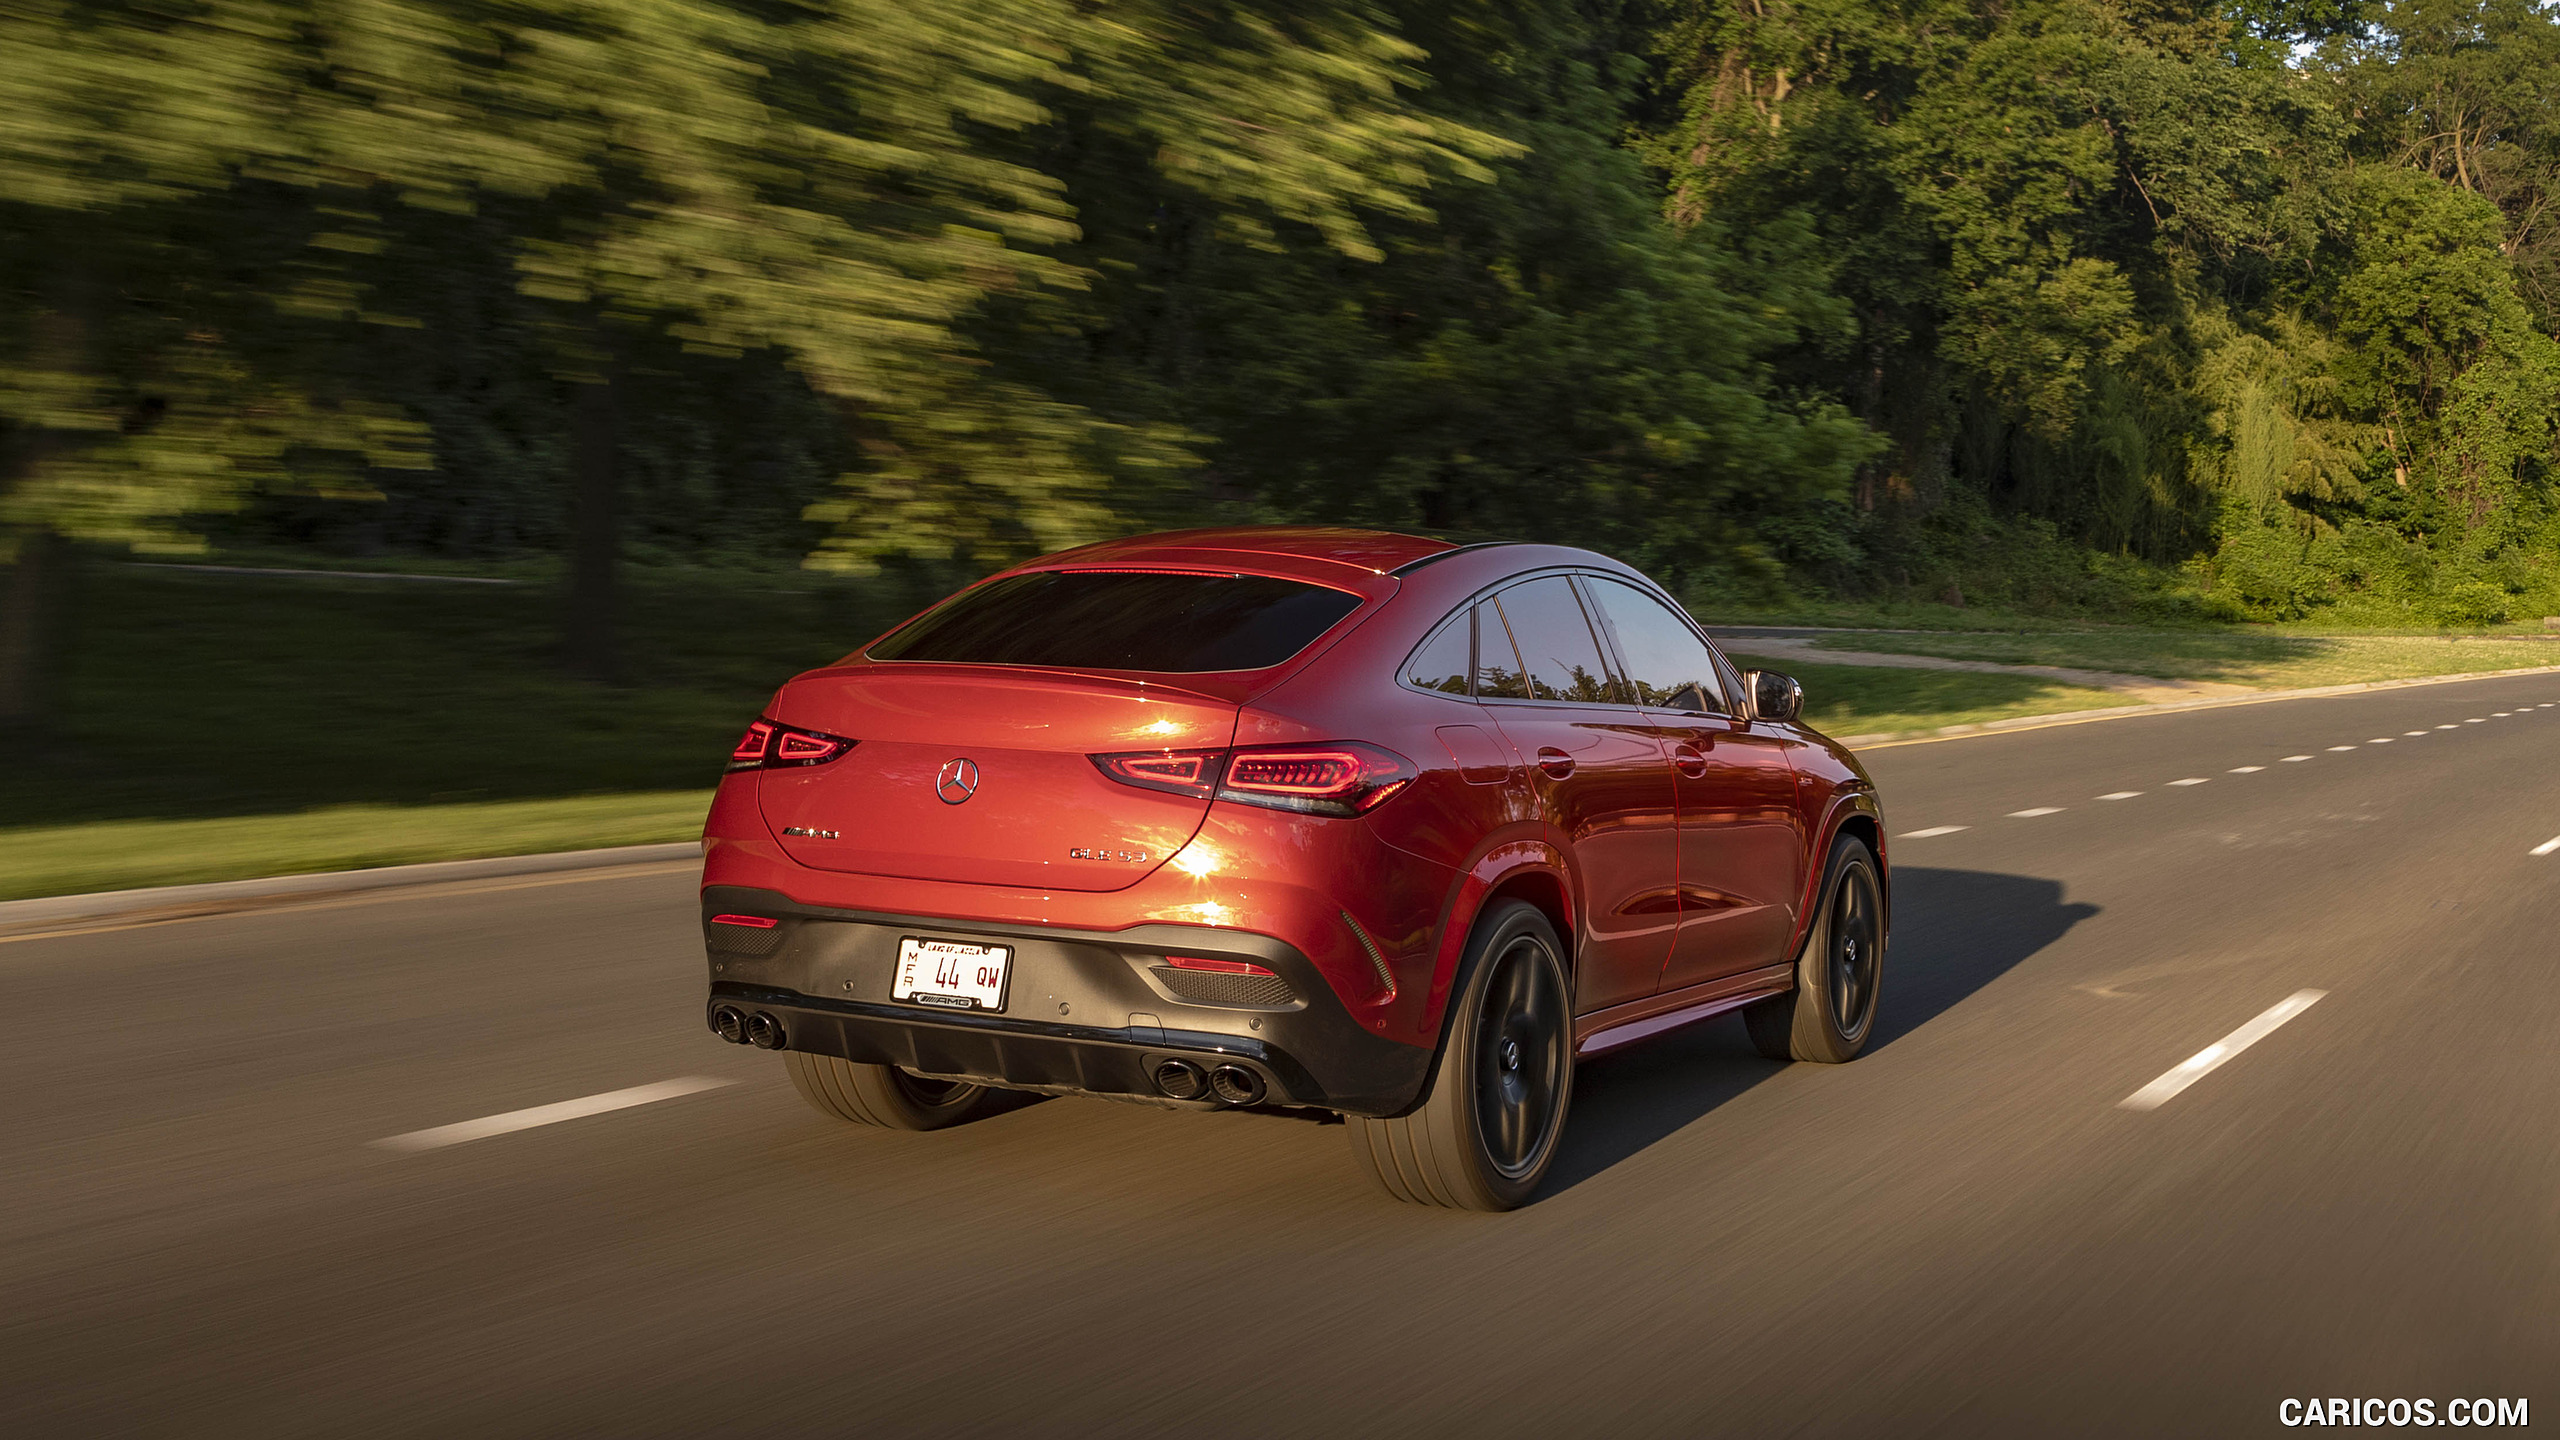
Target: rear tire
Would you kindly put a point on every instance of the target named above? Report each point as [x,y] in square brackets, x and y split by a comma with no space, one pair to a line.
[1831,1014]
[1486,1132]
[886,1096]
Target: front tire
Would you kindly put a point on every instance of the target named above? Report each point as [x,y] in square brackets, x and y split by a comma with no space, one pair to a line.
[886,1096]
[1831,1014]
[1486,1132]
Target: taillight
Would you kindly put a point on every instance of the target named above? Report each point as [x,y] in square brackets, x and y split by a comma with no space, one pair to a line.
[1339,778]
[1342,777]
[1179,772]
[750,751]
[768,745]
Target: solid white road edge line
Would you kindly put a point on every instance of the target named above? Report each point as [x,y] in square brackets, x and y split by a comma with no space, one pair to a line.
[514,1120]
[2547,846]
[1932,830]
[2209,1059]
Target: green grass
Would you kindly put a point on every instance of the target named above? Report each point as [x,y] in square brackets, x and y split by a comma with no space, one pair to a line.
[2263,657]
[1843,700]
[126,854]
[220,726]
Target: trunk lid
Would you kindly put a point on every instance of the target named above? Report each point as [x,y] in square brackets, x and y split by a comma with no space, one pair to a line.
[1039,815]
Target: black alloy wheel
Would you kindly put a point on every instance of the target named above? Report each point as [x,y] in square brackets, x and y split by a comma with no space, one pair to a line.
[1853,931]
[1489,1122]
[1831,1013]
[1519,1077]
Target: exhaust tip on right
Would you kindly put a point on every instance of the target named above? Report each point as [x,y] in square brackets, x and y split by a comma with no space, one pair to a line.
[1236,1085]
[764,1032]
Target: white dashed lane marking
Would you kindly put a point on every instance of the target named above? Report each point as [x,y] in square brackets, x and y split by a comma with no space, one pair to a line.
[2212,1057]
[2547,846]
[2033,811]
[578,1109]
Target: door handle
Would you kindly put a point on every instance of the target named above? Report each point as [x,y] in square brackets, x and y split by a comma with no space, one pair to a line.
[1555,762]
[1686,759]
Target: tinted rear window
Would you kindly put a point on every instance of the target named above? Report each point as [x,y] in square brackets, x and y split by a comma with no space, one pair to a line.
[1101,620]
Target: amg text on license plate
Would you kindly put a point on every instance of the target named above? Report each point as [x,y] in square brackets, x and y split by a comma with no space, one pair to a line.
[951,975]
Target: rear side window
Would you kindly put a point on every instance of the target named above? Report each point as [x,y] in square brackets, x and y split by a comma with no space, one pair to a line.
[1664,656]
[1441,663]
[1559,656]
[1124,620]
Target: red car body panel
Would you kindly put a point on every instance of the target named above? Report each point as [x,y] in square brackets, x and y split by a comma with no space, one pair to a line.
[1678,854]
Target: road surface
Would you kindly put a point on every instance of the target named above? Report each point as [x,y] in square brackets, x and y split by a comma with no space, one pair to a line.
[1965,1233]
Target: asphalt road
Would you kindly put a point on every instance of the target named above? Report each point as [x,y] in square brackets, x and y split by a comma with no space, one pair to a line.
[1964,1233]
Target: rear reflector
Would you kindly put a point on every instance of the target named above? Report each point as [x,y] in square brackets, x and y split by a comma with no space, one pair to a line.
[1219,967]
[757,922]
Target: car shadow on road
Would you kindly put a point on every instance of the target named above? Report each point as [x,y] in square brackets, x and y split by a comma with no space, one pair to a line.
[1954,931]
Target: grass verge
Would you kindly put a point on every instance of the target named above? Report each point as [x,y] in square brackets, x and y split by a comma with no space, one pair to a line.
[2265,659]
[128,854]
[1864,700]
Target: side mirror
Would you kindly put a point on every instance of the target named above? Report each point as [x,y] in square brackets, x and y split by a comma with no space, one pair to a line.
[1774,696]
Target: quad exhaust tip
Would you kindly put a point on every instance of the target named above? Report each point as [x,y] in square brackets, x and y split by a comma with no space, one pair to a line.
[764,1032]
[729,1023]
[1181,1080]
[1236,1085]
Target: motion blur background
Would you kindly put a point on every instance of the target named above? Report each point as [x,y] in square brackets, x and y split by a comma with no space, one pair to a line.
[657,350]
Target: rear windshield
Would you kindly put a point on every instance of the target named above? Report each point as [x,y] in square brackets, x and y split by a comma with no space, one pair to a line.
[1118,620]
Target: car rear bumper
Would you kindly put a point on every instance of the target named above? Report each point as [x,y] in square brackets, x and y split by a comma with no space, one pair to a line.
[1090,1012]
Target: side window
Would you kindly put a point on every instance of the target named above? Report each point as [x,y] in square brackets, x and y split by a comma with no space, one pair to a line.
[1664,656]
[1441,664]
[1498,673]
[1557,649]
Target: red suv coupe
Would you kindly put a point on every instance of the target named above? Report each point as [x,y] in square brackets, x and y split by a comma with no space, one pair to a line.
[1326,819]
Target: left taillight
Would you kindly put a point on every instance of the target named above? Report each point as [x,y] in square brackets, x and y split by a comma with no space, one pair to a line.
[768,745]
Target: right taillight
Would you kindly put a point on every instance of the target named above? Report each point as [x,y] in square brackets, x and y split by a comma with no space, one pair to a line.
[1178,772]
[767,745]
[1339,777]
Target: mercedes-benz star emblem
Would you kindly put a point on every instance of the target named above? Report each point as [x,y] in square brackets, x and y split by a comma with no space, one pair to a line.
[957,782]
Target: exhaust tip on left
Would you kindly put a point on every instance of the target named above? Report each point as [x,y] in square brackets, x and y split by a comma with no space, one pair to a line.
[764,1032]
[729,1024]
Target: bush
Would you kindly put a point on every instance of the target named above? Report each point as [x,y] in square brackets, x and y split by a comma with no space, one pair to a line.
[2473,602]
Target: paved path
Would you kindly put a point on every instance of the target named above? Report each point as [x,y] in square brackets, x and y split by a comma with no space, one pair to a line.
[1965,1233]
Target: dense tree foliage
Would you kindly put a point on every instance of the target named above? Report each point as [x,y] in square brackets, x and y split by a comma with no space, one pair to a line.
[1889,297]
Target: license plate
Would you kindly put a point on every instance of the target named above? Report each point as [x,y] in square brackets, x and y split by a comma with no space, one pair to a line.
[951,975]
